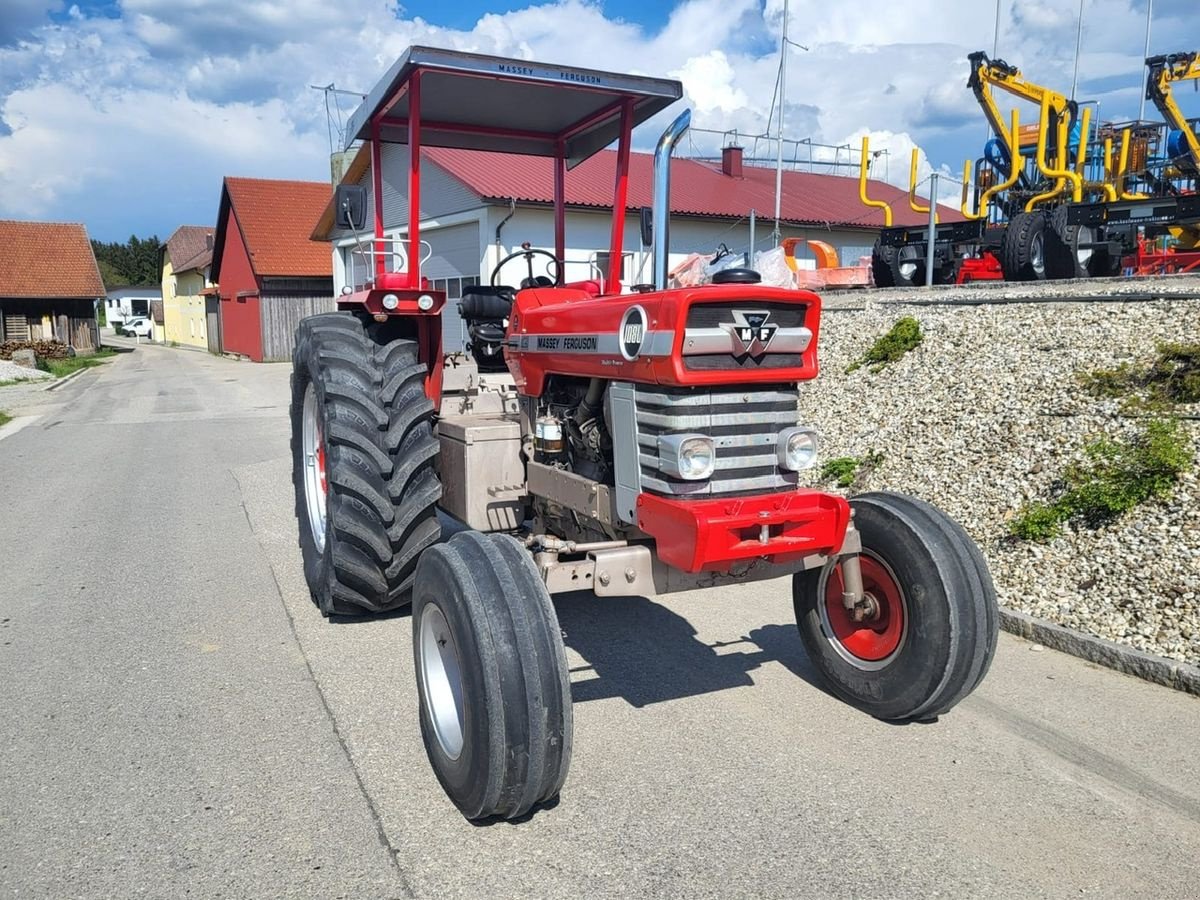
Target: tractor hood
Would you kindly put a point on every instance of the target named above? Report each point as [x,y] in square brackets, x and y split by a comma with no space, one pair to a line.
[713,334]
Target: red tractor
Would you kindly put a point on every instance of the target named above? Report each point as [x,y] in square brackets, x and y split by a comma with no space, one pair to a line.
[626,440]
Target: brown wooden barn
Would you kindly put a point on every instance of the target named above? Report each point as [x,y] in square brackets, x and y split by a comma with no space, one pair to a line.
[49,284]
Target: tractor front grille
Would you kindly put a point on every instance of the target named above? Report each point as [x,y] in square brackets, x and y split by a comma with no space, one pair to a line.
[744,423]
[705,317]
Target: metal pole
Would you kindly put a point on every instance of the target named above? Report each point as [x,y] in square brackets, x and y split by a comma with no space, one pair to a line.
[1145,53]
[933,180]
[782,89]
[1078,40]
[753,222]
[996,34]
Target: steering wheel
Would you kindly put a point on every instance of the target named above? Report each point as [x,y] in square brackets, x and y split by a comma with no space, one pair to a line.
[530,280]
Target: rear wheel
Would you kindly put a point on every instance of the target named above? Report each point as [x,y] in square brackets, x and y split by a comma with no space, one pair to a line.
[931,632]
[882,256]
[1023,253]
[1065,258]
[362,459]
[908,266]
[493,689]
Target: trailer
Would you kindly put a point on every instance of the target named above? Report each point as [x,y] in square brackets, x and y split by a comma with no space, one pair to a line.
[621,439]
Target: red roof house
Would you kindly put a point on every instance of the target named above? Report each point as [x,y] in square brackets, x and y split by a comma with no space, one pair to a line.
[269,272]
[49,283]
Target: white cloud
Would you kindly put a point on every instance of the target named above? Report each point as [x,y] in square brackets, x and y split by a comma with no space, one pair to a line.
[124,122]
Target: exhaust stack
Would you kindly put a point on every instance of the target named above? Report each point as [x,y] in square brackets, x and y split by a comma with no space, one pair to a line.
[662,195]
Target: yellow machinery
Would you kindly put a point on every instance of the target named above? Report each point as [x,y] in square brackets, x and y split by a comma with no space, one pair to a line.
[1154,221]
[1183,144]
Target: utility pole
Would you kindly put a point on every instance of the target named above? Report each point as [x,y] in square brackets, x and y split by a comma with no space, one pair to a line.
[933,180]
[1145,53]
[783,40]
[1078,40]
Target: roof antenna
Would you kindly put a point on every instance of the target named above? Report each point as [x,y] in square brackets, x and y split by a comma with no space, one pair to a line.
[336,113]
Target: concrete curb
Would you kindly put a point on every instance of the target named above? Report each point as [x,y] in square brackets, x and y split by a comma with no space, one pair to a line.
[1167,672]
[59,382]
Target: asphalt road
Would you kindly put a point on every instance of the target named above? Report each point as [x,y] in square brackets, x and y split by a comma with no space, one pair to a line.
[178,719]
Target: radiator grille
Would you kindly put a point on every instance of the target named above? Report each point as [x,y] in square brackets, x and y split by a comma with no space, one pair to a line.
[714,315]
[744,424]
[711,315]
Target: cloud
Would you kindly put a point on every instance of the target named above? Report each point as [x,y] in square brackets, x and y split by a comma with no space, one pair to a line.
[128,122]
[21,17]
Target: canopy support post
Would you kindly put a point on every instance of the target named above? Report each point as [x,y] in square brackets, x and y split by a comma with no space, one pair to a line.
[620,196]
[414,181]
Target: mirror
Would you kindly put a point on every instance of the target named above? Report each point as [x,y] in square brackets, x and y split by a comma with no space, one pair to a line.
[647,223]
[350,206]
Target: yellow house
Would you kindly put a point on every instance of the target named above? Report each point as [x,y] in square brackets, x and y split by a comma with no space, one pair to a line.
[187,258]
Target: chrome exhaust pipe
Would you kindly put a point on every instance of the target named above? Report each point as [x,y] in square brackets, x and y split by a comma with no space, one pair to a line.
[662,195]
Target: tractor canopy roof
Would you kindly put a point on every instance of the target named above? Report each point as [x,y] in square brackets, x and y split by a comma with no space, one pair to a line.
[478,102]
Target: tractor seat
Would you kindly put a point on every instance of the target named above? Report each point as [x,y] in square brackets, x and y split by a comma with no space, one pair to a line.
[481,302]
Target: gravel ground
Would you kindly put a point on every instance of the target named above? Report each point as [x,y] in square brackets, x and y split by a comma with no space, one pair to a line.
[987,412]
[10,371]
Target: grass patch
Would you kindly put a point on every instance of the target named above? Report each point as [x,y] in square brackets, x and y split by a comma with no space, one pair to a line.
[5,418]
[904,336]
[60,368]
[1115,477]
[1171,377]
[9,382]
[845,470]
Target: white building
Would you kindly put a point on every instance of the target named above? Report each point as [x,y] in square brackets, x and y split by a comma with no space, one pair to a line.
[479,206]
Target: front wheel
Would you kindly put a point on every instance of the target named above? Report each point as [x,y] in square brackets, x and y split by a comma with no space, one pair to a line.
[931,632]
[492,683]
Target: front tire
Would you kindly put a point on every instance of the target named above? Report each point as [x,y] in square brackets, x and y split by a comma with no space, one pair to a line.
[882,258]
[933,635]
[1023,252]
[493,689]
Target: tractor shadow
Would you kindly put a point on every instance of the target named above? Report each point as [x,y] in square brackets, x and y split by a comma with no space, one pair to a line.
[645,653]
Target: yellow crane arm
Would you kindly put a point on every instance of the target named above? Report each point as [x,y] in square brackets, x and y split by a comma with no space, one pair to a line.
[987,74]
[1164,71]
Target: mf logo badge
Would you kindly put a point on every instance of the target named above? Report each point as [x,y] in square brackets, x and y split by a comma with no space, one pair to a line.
[633,332]
[751,332]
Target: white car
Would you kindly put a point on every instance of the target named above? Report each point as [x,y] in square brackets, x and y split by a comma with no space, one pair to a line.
[138,326]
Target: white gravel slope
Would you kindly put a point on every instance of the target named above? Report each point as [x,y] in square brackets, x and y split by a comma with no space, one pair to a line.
[10,371]
[985,414]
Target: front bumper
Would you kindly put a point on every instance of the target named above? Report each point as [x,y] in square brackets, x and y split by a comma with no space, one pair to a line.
[711,535]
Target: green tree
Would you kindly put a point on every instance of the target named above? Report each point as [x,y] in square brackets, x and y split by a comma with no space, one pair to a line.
[132,262]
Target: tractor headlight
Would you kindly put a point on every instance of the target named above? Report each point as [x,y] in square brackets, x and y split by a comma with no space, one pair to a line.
[425,302]
[797,449]
[390,301]
[687,456]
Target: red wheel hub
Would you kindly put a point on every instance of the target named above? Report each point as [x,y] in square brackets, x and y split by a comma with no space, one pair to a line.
[877,636]
[321,461]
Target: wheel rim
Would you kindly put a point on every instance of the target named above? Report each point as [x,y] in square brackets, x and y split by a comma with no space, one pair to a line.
[1037,254]
[441,676]
[872,643]
[316,487]
[1085,235]
[907,263]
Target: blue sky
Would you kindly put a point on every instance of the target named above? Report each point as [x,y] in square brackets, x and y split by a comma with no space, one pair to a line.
[126,114]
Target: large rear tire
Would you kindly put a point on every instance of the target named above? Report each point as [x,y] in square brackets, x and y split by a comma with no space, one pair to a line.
[492,682]
[1023,252]
[362,466]
[933,634]
[882,257]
